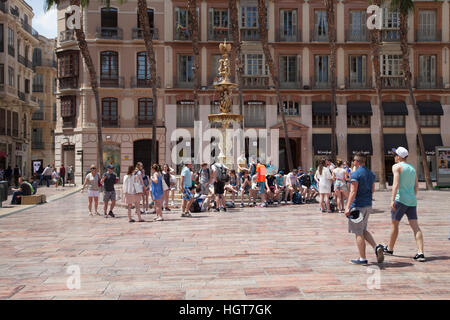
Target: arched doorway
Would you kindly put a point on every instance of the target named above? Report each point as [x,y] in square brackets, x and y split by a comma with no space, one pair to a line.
[142,153]
[295,151]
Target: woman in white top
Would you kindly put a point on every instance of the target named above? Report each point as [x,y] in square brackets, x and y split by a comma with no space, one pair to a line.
[324,179]
[92,182]
[140,187]
[130,196]
[340,177]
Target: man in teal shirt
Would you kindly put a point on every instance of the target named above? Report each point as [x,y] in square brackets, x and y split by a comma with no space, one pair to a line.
[185,189]
[404,201]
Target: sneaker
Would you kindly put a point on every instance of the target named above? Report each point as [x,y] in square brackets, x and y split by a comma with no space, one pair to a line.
[224,209]
[111,214]
[105,215]
[419,257]
[386,251]
[217,210]
[379,253]
[184,215]
[142,211]
[359,262]
[131,220]
[167,209]
[158,219]
[242,205]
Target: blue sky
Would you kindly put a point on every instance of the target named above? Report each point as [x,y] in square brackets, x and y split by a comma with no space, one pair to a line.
[43,22]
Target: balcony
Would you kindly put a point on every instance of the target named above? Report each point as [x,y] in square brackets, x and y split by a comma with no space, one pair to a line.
[11,51]
[68,83]
[143,83]
[67,35]
[37,145]
[360,35]
[109,33]
[293,36]
[117,82]
[69,122]
[144,122]
[138,33]
[250,34]
[422,83]
[319,36]
[45,63]
[26,26]
[393,82]
[320,84]
[422,36]
[38,88]
[22,96]
[352,83]
[391,35]
[219,34]
[38,115]
[255,82]
[110,123]
[35,33]
[3,7]
[182,33]
[22,60]
[184,84]
[291,85]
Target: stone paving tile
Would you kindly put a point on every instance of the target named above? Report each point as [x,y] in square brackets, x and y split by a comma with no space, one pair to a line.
[287,252]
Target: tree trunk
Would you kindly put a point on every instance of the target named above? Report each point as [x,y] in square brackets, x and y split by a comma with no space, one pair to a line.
[376,47]
[193,27]
[83,46]
[148,41]
[236,53]
[274,74]
[407,77]
[331,24]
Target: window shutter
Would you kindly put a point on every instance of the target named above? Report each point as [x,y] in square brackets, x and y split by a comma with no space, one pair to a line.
[316,24]
[282,26]
[211,23]
[294,24]
[422,69]
[364,69]
[282,69]
[177,18]
[298,73]
[351,27]
[433,69]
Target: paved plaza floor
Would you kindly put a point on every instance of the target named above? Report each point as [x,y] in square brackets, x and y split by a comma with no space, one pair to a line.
[286,252]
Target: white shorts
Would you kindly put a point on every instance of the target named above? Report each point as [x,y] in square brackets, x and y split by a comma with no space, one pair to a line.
[92,193]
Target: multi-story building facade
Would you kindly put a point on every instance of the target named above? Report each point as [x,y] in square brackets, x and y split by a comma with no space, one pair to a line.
[17,103]
[44,89]
[298,35]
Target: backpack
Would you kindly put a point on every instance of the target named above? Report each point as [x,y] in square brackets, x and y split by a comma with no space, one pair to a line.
[297,198]
[195,206]
[207,171]
[229,204]
[333,204]
[252,169]
[221,174]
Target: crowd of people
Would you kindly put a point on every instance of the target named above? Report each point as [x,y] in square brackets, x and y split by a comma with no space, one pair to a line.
[341,188]
[51,174]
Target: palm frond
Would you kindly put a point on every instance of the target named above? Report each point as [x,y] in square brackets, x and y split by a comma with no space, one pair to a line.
[48,4]
[403,6]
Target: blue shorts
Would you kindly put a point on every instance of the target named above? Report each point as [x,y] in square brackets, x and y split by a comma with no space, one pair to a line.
[401,209]
[262,187]
[187,195]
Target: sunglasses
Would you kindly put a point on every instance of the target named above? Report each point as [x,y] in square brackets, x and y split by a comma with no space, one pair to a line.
[93,168]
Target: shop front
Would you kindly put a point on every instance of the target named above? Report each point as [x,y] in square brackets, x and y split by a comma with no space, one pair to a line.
[392,141]
[430,142]
[360,143]
[322,147]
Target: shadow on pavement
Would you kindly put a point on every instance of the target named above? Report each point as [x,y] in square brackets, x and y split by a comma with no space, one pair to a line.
[437,258]
[387,265]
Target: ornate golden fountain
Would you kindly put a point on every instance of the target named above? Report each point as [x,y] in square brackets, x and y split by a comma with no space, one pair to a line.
[224,87]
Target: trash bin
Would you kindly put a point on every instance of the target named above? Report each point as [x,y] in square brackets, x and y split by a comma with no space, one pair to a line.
[3,191]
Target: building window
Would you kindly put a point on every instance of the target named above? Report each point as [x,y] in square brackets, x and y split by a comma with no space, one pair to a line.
[288,25]
[8,122]
[1,38]
[185,113]
[150,19]
[249,17]
[357,72]
[24,126]
[255,114]
[110,65]
[357,29]
[109,23]
[109,111]
[37,57]
[390,27]
[38,83]
[27,85]
[427,25]
[15,125]
[427,71]
[182,21]
[11,42]
[291,108]
[185,72]
[218,24]
[391,71]
[320,26]
[321,71]
[143,67]
[2,73]
[10,76]
[358,121]
[2,122]
[433,121]
[68,106]
[68,64]
[393,121]
[36,139]
[255,64]
[321,120]
[145,111]
[288,70]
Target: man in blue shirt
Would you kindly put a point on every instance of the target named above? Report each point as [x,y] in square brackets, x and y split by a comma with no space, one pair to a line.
[363,186]
[185,189]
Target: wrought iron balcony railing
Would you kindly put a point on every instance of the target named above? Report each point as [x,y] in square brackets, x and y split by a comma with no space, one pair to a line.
[423,83]
[319,36]
[360,35]
[390,35]
[109,33]
[291,84]
[111,82]
[38,115]
[289,36]
[220,34]
[393,82]
[111,123]
[352,83]
[320,83]
[21,60]
[68,83]
[144,121]
[38,88]
[22,96]
[138,33]
[255,82]
[67,35]
[250,34]
[182,33]
[143,83]
[422,36]
[11,51]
